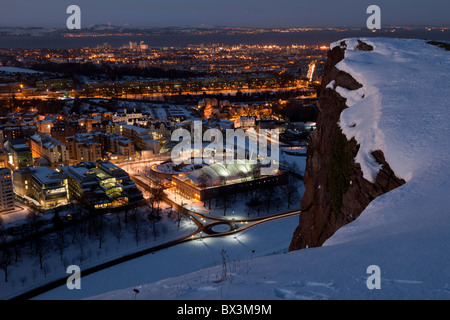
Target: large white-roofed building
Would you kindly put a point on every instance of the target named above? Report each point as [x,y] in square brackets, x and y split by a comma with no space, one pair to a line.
[238,176]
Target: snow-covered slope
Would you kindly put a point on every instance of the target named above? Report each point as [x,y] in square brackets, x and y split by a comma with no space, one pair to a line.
[403,110]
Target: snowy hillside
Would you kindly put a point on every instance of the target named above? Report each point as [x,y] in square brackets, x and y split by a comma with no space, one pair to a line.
[402,110]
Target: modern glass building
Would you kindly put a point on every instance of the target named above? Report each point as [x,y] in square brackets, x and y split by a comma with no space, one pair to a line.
[20,156]
[101,185]
[48,187]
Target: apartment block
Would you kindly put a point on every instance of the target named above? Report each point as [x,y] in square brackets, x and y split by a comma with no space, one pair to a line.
[55,152]
[6,190]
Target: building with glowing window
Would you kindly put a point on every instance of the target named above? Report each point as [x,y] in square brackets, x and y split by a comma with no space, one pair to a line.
[55,152]
[220,178]
[101,185]
[46,187]
[6,190]
[19,155]
[49,187]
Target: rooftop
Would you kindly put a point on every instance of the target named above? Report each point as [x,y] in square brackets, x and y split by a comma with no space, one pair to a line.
[217,173]
[45,175]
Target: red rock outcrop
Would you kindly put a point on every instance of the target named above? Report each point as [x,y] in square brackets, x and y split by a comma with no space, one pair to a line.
[335,191]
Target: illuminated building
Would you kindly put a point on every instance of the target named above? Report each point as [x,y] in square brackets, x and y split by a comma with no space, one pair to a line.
[22,182]
[54,151]
[19,132]
[101,185]
[82,147]
[119,145]
[63,129]
[142,138]
[246,123]
[312,68]
[214,180]
[48,187]
[20,155]
[6,190]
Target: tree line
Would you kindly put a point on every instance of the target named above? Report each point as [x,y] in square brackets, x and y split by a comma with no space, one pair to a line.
[111,72]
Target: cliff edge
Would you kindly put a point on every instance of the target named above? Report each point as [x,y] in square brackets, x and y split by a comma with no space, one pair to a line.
[337,188]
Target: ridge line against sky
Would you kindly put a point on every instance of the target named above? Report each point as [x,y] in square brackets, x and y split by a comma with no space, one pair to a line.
[212,27]
[232,13]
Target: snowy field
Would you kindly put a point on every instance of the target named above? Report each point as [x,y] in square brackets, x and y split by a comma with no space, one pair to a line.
[26,273]
[403,111]
[237,208]
[265,239]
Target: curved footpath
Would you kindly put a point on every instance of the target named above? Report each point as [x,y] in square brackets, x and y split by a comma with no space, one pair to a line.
[207,229]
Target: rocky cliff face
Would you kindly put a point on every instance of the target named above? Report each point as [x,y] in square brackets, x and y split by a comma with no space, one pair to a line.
[336,192]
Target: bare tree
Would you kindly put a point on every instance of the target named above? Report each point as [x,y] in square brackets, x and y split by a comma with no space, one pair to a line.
[60,244]
[155,230]
[224,274]
[268,193]
[117,230]
[45,270]
[225,203]
[224,197]
[43,249]
[137,228]
[248,205]
[34,223]
[34,274]
[98,230]
[164,229]
[6,256]
[291,191]
[178,215]
[203,180]
[153,218]
[100,235]
[156,196]
[16,249]
[253,204]
[277,200]
[81,245]
[75,229]
[23,279]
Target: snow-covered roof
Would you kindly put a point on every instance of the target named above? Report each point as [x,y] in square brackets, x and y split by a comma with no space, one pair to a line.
[218,172]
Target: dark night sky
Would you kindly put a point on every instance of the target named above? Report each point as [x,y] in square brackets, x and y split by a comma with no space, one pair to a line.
[251,13]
